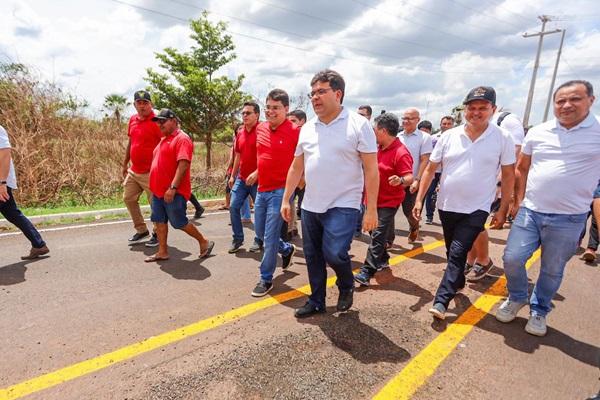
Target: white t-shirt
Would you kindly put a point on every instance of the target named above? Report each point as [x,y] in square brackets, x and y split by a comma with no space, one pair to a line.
[565,166]
[417,143]
[5,144]
[469,169]
[332,163]
[513,125]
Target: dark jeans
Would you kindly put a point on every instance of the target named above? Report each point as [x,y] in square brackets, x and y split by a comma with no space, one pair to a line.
[11,212]
[377,255]
[407,206]
[593,239]
[460,231]
[431,196]
[327,237]
[300,194]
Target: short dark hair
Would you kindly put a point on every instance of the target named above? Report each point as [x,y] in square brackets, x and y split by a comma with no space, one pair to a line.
[425,124]
[589,89]
[252,104]
[450,117]
[334,79]
[389,122]
[301,115]
[279,95]
[368,108]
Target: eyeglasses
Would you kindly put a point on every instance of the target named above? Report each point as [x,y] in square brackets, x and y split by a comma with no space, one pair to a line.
[273,108]
[409,118]
[247,112]
[319,93]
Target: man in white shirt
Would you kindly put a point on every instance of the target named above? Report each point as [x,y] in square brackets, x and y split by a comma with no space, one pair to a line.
[334,150]
[557,174]
[470,153]
[8,206]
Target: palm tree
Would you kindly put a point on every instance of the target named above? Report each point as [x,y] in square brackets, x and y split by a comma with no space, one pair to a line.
[115,104]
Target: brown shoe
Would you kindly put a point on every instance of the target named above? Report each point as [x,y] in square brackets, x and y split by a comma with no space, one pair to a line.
[36,252]
[413,235]
[589,256]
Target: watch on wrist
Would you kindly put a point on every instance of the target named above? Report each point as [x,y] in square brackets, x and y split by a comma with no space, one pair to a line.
[3,183]
[173,187]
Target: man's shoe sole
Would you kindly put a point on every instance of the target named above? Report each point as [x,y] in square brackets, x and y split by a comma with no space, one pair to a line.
[254,294]
[315,312]
[588,257]
[437,314]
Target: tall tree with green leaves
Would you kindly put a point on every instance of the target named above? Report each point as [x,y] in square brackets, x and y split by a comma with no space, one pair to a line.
[204,102]
[115,105]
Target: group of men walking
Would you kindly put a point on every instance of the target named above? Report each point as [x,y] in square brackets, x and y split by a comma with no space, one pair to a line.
[347,171]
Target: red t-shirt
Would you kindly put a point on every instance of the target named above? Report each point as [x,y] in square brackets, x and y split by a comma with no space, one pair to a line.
[275,152]
[177,146]
[144,135]
[394,160]
[245,145]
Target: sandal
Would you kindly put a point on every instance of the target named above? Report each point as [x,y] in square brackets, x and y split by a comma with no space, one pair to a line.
[155,258]
[206,252]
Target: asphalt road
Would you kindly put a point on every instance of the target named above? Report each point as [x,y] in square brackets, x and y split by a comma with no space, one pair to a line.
[94,295]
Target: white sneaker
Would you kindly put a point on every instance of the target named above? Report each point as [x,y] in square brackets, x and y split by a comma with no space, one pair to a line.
[536,325]
[508,310]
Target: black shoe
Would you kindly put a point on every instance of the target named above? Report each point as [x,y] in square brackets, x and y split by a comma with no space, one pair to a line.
[262,288]
[235,246]
[198,213]
[138,237]
[153,242]
[256,248]
[307,310]
[362,278]
[345,300]
[287,260]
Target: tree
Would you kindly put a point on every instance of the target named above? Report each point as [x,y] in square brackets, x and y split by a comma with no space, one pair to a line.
[204,103]
[115,105]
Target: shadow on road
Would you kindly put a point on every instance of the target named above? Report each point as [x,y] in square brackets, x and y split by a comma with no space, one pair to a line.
[13,274]
[176,266]
[388,281]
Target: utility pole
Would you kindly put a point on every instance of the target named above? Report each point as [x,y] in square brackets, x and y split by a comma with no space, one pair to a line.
[562,39]
[544,19]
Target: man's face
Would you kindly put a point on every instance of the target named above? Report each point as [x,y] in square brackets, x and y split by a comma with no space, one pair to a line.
[410,120]
[479,112]
[446,124]
[364,113]
[295,120]
[249,116]
[275,112]
[324,99]
[167,126]
[143,108]
[572,105]
[380,134]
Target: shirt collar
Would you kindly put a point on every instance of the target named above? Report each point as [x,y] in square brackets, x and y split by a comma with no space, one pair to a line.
[586,123]
[416,131]
[392,146]
[342,115]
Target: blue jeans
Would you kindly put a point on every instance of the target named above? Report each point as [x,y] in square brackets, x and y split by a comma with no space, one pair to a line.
[327,237]
[11,212]
[267,226]
[431,196]
[239,207]
[173,212]
[558,234]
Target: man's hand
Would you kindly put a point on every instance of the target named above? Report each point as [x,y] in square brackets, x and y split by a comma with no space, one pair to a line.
[124,171]
[251,179]
[514,209]
[286,211]
[369,220]
[230,182]
[4,193]
[170,195]
[394,180]
[416,211]
[414,186]
[498,220]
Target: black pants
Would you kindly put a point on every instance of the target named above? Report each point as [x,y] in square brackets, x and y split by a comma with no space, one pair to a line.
[593,239]
[460,231]
[11,212]
[196,203]
[377,255]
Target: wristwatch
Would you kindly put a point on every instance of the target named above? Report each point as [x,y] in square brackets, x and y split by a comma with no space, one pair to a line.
[173,187]
[3,183]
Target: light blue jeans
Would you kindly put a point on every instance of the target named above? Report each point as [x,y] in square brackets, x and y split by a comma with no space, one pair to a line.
[558,235]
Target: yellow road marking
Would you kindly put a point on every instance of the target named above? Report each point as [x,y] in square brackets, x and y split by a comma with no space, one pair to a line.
[105,360]
[424,364]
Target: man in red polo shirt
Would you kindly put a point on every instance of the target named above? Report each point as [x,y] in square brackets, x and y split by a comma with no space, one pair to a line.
[276,142]
[171,185]
[244,167]
[395,174]
[144,135]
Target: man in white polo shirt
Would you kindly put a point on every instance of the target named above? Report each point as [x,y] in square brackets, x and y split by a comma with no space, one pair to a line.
[470,156]
[558,171]
[333,150]
[419,145]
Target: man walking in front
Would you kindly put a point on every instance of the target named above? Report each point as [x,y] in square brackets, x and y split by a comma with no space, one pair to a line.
[333,150]
[470,153]
[171,185]
[561,153]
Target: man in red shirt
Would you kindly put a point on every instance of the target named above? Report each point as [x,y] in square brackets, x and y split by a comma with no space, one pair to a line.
[276,142]
[171,185]
[143,135]
[395,174]
[245,168]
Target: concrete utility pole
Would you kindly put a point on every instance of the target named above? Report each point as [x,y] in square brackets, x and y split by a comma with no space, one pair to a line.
[544,19]
[562,39]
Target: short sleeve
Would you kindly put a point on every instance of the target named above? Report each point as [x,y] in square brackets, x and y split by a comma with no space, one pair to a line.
[366,138]
[185,148]
[508,156]
[527,147]
[4,141]
[515,128]
[427,146]
[299,148]
[404,163]
[438,150]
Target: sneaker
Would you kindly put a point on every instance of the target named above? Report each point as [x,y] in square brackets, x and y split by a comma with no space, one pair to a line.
[256,248]
[198,213]
[438,311]
[381,267]
[508,310]
[413,235]
[235,246]
[479,271]
[536,325]
[589,255]
[138,237]
[307,310]
[468,268]
[357,235]
[429,221]
[287,260]
[345,300]
[362,278]
[36,252]
[262,288]
[153,242]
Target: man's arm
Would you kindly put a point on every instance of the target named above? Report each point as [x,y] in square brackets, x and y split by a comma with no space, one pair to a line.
[424,160]
[182,166]
[234,169]
[293,178]
[127,158]
[506,189]
[5,155]
[596,208]
[371,171]
[521,173]
[424,184]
